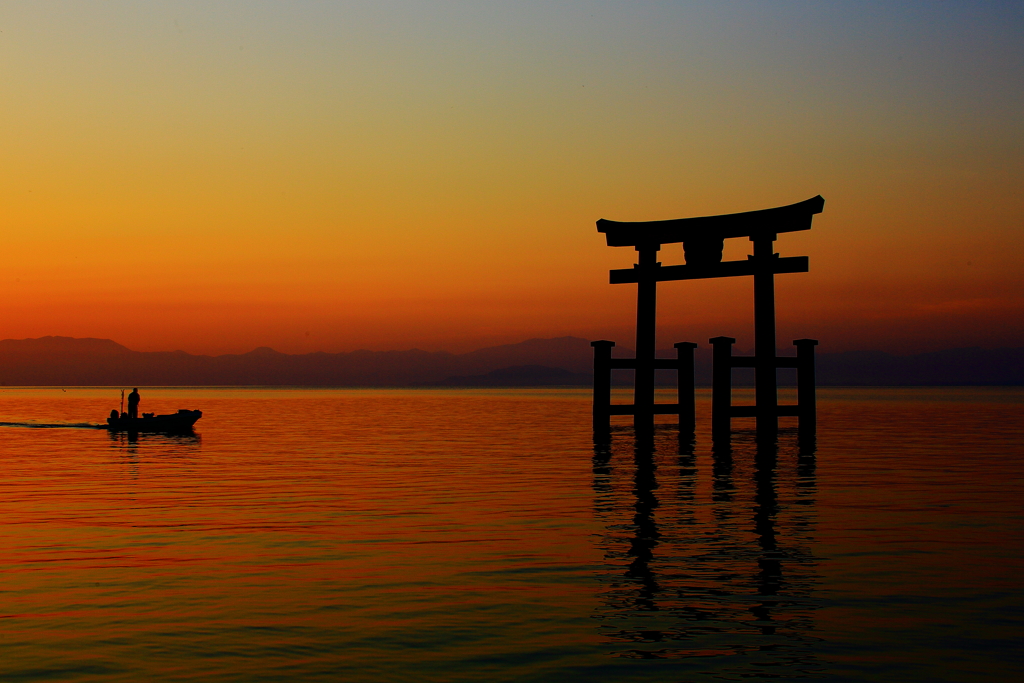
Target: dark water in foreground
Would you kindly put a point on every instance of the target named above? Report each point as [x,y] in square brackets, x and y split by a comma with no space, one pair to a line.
[479,535]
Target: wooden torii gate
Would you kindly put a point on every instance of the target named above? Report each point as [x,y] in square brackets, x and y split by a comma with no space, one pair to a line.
[703,240]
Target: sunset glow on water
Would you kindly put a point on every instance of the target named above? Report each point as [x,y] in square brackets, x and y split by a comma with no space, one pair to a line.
[479,535]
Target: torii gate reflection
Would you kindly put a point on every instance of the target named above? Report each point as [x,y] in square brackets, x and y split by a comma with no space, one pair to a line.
[703,240]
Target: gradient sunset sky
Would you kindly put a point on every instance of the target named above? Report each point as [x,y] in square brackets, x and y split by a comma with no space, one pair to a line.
[217,176]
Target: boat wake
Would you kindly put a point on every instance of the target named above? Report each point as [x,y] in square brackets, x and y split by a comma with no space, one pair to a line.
[54,425]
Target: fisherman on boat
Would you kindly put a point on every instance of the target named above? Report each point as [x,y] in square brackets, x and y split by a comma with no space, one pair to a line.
[179,422]
[133,403]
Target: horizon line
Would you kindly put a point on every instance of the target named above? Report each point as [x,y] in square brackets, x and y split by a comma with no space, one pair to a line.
[821,351]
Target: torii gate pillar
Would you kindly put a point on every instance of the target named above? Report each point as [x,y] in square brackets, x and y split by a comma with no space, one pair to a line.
[766,395]
[646,336]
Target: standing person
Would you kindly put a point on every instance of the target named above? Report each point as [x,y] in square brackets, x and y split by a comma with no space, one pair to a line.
[133,403]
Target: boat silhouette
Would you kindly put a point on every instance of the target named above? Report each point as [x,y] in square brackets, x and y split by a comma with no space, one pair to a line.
[180,421]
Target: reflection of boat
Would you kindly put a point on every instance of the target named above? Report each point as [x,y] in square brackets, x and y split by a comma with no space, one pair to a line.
[180,421]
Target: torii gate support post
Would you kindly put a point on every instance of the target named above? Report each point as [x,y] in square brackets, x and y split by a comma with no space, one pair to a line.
[602,385]
[721,386]
[685,386]
[805,386]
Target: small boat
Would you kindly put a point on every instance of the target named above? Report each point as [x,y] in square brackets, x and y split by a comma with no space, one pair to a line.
[180,421]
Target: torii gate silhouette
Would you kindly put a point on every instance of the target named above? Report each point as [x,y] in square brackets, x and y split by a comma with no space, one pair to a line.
[703,239]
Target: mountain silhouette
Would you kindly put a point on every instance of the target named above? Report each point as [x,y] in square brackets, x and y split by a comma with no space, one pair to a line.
[67,361]
[521,376]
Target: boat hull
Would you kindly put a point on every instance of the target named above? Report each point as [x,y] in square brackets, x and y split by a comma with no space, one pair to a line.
[182,421]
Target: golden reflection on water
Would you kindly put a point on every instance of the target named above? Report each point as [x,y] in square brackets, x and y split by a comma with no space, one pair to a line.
[483,535]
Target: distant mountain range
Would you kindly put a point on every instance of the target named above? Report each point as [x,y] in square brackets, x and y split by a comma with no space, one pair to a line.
[65,361]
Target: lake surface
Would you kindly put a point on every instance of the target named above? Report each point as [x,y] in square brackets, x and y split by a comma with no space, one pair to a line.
[479,535]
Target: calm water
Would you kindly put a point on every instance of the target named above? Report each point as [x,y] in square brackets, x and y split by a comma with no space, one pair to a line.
[474,535]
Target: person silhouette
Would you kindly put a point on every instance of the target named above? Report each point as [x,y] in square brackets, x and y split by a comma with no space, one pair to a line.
[133,403]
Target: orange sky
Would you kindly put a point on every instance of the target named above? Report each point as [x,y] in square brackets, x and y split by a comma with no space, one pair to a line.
[329,176]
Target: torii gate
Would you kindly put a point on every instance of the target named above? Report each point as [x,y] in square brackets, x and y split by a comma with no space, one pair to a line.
[703,240]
